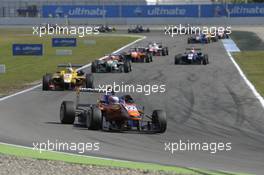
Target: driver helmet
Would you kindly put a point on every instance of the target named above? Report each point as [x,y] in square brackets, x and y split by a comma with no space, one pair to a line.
[70,69]
[113,100]
[193,50]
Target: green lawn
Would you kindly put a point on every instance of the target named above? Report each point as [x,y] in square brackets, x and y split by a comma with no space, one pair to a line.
[252,64]
[22,70]
[247,41]
[70,158]
[251,57]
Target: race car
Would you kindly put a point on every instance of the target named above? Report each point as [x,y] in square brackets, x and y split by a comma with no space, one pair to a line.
[156,49]
[112,113]
[201,38]
[222,35]
[192,56]
[112,63]
[106,28]
[138,29]
[68,78]
[139,55]
[212,37]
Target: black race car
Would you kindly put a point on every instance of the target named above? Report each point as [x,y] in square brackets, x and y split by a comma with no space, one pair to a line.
[138,29]
[106,28]
[112,63]
[223,35]
[192,56]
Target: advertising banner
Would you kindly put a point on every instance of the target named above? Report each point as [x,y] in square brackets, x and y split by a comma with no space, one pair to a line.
[27,49]
[64,42]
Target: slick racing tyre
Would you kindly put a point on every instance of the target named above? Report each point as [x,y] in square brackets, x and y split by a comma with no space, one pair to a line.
[46,82]
[127,67]
[147,59]
[94,119]
[159,119]
[177,59]
[67,112]
[94,67]
[205,60]
[89,83]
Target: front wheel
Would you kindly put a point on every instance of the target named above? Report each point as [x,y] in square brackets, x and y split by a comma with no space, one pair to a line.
[177,59]
[46,82]
[67,112]
[159,119]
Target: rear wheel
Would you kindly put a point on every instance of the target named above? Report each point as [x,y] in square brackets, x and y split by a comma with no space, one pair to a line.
[151,58]
[177,59]
[94,119]
[67,112]
[46,82]
[127,67]
[159,119]
[205,60]
[89,81]
[94,67]
[147,59]
[167,51]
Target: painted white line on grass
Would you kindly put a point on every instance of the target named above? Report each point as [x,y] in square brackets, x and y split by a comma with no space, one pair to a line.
[85,66]
[250,85]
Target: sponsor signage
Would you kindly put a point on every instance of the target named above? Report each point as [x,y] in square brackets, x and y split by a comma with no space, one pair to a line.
[27,49]
[232,10]
[63,52]
[89,42]
[160,11]
[136,11]
[80,11]
[2,69]
[64,42]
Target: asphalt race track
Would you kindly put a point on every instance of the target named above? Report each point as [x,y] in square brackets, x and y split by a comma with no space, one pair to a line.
[203,103]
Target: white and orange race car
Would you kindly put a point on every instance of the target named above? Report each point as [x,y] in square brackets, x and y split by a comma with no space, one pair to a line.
[139,55]
[112,113]
[157,49]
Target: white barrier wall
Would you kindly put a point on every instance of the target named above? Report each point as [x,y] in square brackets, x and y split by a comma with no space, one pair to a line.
[132,21]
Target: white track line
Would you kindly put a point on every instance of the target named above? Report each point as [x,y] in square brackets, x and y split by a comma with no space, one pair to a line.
[85,66]
[250,85]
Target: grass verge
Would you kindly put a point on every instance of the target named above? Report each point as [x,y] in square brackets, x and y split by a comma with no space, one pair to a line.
[247,41]
[251,57]
[70,158]
[252,64]
[23,70]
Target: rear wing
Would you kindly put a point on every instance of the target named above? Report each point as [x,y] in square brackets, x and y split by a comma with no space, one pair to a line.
[91,90]
[193,49]
[70,65]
